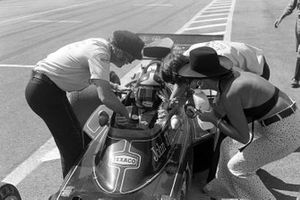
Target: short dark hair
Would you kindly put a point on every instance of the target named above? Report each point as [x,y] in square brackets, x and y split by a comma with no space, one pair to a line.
[129,42]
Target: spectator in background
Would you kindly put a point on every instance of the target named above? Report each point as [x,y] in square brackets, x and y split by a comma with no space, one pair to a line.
[293,4]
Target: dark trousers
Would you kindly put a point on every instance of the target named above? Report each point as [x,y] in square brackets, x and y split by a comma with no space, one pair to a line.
[51,104]
[297,69]
[297,33]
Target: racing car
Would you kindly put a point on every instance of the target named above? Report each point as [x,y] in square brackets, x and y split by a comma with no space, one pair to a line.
[154,155]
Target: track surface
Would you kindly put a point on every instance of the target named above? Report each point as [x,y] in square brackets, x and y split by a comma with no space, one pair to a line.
[31,29]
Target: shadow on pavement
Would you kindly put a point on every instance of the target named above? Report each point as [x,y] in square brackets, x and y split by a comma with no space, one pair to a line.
[296,86]
[273,184]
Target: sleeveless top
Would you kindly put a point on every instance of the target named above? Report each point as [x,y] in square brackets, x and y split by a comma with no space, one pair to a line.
[258,112]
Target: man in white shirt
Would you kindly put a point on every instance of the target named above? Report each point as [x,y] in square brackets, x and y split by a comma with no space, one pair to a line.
[243,56]
[73,68]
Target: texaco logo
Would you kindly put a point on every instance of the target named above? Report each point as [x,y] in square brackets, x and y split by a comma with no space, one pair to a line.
[125,159]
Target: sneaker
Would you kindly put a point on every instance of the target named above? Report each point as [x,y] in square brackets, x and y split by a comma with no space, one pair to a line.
[295,83]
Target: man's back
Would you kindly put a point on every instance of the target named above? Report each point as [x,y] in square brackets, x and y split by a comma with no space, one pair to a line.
[69,66]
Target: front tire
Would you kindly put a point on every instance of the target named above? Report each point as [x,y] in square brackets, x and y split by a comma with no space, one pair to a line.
[9,192]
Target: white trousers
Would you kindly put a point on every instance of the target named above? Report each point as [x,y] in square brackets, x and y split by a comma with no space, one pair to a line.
[236,174]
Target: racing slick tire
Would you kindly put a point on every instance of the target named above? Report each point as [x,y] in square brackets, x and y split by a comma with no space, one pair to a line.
[9,192]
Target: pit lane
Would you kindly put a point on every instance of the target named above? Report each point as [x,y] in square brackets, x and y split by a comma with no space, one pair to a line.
[30,30]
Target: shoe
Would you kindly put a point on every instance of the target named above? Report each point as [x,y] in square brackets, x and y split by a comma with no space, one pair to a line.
[295,83]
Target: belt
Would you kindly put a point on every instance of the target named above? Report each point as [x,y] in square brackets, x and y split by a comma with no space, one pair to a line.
[41,76]
[278,116]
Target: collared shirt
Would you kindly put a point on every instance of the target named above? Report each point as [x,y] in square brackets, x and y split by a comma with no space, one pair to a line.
[73,66]
[243,56]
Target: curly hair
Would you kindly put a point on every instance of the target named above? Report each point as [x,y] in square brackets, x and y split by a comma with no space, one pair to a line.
[171,68]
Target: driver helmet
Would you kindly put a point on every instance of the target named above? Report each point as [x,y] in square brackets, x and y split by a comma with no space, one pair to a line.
[147,93]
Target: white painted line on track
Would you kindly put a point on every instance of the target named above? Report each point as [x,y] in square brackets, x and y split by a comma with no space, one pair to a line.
[222,8]
[215,11]
[211,20]
[212,15]
[219,6]
[23,170]
[206,26]
[16,66]
[183,28]
[212,12]
[48,11]
[227,35]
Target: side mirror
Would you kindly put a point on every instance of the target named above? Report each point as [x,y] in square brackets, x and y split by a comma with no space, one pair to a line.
[103,118]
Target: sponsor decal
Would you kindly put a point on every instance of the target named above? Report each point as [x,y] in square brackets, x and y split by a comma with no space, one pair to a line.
[158,150]
[125,160]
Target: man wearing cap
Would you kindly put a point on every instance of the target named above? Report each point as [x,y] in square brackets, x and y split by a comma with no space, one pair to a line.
[73,68]
[242,98]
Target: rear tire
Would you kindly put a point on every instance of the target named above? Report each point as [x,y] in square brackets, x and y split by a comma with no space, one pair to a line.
[9,192]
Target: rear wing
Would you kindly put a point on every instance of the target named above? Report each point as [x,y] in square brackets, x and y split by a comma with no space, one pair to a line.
[181,41]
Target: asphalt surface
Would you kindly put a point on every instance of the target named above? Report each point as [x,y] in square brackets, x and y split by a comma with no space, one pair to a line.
[31,29]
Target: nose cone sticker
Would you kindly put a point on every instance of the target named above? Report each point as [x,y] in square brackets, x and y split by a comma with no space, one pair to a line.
[125,160]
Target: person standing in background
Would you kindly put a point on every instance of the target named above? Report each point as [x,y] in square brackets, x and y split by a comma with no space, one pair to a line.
[293,4]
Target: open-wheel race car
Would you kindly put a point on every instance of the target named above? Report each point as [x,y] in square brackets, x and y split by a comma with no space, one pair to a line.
[150,157]
[9,192]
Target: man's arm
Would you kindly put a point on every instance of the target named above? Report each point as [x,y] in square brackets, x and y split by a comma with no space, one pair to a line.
[108,98]
[288,10]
